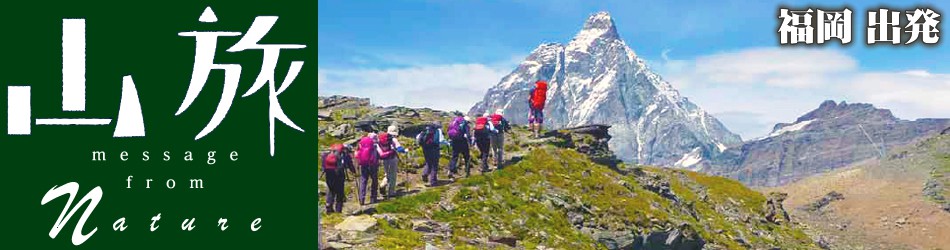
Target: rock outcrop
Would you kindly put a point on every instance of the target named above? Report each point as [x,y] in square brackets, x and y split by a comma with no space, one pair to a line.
[774,210]
[591,140]
[823,202]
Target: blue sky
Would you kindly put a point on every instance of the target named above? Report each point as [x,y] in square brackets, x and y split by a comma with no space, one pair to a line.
[397,51]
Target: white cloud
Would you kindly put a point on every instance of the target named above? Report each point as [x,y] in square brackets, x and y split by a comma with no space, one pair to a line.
[797,68]
[772,85]
[912,94]
[444,87]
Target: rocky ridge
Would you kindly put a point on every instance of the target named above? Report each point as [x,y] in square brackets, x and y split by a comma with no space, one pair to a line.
[565,190]
[833,136]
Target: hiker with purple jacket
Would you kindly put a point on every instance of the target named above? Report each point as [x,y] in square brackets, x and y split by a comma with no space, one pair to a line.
[460,138]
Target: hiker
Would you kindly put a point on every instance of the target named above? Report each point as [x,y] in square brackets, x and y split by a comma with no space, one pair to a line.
[389,148]
[498,137]
[335,164]
[482,130]
[367,156]
[536,105]
[430,140]
[460,138]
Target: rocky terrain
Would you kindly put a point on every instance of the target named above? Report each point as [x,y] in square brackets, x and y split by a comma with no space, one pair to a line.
[833,136]
[897,202]
[597,79]
[565,190]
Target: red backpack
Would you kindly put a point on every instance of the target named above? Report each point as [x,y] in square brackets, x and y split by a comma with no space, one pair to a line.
[496,120]
[539,95]
[386,145]
[333,159]
[481,123]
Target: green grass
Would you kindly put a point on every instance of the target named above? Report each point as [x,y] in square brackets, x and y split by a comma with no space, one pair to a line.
[943,168]
[495,202]
[324,142]
[395,238]
[331,219]
[510,201]
[412,204]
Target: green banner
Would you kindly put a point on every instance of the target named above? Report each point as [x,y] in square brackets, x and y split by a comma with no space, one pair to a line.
[98,103]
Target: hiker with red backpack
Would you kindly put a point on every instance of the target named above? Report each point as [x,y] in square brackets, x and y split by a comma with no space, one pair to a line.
[498,138]
[389,147]
[482,132]
[367,155]
[335,164]
[460,138]
[431,141]
[536,99]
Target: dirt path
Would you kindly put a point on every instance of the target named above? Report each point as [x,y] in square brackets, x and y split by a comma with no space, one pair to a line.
[879,211]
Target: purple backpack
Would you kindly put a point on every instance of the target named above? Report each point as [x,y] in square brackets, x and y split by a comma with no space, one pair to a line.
[457,128]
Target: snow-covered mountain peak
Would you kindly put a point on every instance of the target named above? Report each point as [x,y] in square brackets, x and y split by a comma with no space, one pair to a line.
[599,28]
[599,24]
[597,79]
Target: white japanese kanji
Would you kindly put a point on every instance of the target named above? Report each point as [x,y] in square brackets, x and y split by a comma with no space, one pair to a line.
[796,26]
[926,28]
[206,43]
[835,24]
[884,26]
[19,109]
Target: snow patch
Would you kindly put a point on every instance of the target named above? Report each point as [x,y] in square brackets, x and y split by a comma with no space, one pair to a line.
[689,159]
[650,109]
[790,128]
[722,148]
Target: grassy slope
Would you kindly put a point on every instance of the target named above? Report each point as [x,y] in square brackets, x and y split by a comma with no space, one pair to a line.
[510,201]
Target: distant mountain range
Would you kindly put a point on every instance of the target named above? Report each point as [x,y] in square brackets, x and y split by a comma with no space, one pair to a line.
[832,136]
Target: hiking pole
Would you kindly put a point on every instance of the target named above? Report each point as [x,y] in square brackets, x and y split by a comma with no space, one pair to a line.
[408,165]
[320,167]
[356,192]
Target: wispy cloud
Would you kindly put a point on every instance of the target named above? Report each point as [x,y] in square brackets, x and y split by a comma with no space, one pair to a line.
[772,85]
[443,86]
[913,94]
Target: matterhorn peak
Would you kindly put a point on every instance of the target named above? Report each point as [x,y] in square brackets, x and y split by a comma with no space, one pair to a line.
[599,24]
[597,79]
